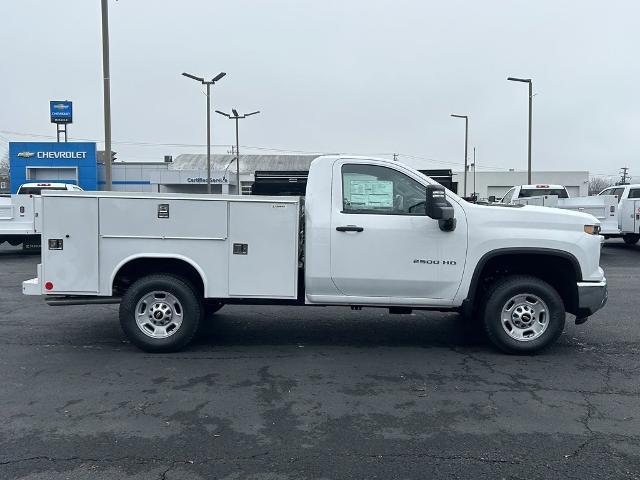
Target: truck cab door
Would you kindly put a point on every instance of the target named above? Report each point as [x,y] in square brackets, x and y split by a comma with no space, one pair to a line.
[382,242]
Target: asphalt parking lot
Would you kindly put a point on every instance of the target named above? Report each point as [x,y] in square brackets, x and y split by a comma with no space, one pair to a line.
[297,393]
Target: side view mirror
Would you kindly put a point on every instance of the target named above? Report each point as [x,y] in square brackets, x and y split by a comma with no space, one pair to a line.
[438,208]
[492,199]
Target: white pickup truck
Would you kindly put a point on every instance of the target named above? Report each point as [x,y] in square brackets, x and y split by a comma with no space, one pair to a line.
[604,207]
[628,198]
[369,233]
[18,220]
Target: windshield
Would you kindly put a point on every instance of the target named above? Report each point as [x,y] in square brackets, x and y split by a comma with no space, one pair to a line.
[37,190]
[536,192]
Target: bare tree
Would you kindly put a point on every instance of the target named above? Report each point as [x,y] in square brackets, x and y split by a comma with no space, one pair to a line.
[597,184]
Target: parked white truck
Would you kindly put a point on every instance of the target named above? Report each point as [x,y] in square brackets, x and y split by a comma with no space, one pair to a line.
[604,207]
[369,233]
[628,198]
[18,219]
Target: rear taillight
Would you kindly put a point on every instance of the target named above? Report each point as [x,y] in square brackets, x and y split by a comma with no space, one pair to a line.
[48,286]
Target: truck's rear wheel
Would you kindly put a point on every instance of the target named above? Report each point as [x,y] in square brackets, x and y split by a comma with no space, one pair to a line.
[631,238]
[160,313]
[523,314]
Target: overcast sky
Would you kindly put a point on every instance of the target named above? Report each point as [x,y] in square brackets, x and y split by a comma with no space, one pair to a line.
[352,76]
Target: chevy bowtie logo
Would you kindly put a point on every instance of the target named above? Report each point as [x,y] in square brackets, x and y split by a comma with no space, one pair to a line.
[61,106]
[26,154]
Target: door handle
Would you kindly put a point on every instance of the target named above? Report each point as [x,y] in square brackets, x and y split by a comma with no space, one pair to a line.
[350,228]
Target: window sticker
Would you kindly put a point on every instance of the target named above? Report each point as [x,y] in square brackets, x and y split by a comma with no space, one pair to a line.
[371,194]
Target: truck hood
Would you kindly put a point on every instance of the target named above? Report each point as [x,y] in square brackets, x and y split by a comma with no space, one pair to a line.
[532,216]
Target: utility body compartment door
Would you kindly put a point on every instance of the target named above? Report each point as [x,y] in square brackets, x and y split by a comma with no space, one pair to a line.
[630,216]
[72,220]
[263,249]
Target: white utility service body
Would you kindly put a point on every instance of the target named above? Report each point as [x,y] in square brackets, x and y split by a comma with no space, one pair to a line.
[604,208]
[361,237]
[19,219]
[628,198]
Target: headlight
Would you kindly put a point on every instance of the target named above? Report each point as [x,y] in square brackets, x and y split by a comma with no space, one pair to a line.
[592,229]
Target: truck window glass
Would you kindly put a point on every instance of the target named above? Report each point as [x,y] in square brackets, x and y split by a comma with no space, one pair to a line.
[535,192]
[374,189]
[618,193]
[37,190]
[509,195]
[634,193]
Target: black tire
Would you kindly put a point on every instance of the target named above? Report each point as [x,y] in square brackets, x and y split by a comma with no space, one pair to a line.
[509,287]
[189,304]
[631,238]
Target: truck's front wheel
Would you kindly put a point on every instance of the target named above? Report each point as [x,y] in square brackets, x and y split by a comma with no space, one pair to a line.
[523,314]
[631,238]
[160,313]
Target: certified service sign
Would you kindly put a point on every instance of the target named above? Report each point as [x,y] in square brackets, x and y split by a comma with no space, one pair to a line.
[61,111]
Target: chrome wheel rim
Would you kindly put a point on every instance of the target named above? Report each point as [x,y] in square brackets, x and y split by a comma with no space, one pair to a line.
[159,314]
[525,317]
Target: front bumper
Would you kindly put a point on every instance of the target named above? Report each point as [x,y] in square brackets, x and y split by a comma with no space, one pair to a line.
[592,296]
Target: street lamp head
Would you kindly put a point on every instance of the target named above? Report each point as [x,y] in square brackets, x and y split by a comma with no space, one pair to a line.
[235,112]
[218,77]
[188,75]
[460,116]
[514,79]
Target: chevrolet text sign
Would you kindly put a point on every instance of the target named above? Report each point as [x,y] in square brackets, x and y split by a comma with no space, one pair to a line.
[61,111]
[77,155]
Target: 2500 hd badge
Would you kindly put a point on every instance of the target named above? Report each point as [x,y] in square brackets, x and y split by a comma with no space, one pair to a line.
[434,262]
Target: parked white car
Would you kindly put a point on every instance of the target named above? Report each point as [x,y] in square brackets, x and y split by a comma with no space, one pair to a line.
[370,233]
[37,188]
[18,220]
[628,197]
[528,191]
[604,208]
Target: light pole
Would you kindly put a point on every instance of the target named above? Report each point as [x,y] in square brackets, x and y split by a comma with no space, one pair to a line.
[208,83]
[527,80]
[466,144]
[106,95]
[236,116]
[474,194]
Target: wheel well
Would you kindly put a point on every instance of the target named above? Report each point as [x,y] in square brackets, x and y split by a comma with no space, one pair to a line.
[141,267]
[561,272]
